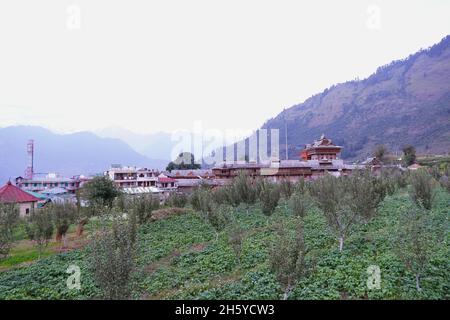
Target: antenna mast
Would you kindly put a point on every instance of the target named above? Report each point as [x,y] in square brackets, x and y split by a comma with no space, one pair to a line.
[29,173]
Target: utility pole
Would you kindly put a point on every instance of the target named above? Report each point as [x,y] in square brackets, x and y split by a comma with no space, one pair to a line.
[285,134]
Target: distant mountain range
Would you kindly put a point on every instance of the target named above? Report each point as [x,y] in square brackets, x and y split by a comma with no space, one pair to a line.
[68,154]
[405,102]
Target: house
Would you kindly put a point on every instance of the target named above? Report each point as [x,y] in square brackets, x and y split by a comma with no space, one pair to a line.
[42,182]
[12,194]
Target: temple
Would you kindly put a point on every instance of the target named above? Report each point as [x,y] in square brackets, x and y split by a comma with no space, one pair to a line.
[323,150]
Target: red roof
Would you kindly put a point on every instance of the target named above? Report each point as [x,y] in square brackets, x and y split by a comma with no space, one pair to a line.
[13,194]
[166,180]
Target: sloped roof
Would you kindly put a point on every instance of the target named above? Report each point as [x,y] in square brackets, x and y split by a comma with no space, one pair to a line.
[12,194]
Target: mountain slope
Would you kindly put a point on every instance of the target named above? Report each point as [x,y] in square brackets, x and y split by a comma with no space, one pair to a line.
[70,154]
[156,146]
[405,102]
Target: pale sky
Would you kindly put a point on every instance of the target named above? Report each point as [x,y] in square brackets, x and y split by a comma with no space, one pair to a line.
[162,65]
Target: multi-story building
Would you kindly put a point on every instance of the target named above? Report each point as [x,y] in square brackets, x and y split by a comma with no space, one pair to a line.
[41,182]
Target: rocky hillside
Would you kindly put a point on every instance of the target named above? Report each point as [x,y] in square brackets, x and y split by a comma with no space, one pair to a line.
[405,102]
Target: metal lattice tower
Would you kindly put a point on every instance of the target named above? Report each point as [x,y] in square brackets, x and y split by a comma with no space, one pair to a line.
[29,172]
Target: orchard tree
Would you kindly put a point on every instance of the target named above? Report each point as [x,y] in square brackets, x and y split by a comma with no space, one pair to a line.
[288,258]
[39,229]
[9,216]
[269,195]
[332,198]
[414,241]
[112,258]
[63,214]
[236,240]
[422,189]
[100,192]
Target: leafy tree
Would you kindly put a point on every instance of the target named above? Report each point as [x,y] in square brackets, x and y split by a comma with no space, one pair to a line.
[414,241]
[100,192]
[9,216]
[288,258]
[142,207]
[380,152]
[112,258]
[241,190]
[63,214]
[409,155]
[185,161]
[331,197]
[422,189]
[364,192]
[39,228]
[219,218]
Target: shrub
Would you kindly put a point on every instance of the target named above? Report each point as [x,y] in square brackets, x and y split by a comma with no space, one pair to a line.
[286,188]
[236,240]
[269,197]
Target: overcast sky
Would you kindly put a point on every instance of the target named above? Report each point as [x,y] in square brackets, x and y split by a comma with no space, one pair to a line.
[162,65]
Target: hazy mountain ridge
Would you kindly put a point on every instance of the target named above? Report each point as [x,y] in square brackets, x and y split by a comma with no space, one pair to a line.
[68,154]
[404,102]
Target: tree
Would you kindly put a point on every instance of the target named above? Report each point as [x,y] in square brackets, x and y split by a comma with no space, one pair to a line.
[298,204]
[332,198]
[185,161]
[409,155]
[9,215]
[39,228]
[63,214]
[100,192]
[422,189]
[143,206]
[380,152]
[219,218]
[112,258]
[286,188]
[414,242]
[288,258]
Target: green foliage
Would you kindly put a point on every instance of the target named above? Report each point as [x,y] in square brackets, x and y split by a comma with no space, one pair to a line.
[142,207]
[63,215]
[112,259]
[179,258]
[178,200]
[39,229]
[380,152]
[185,161]
[100,191]
[269,195]
[236,240]
[9,216]
[286,188]
[422,189]
[288,258]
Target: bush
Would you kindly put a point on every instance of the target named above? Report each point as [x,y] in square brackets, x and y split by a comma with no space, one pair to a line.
[286,188]
[63,214]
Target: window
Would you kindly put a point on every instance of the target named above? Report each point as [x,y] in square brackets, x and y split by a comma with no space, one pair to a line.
[27,211]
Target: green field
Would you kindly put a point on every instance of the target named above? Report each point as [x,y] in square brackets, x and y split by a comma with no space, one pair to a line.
[180,258]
